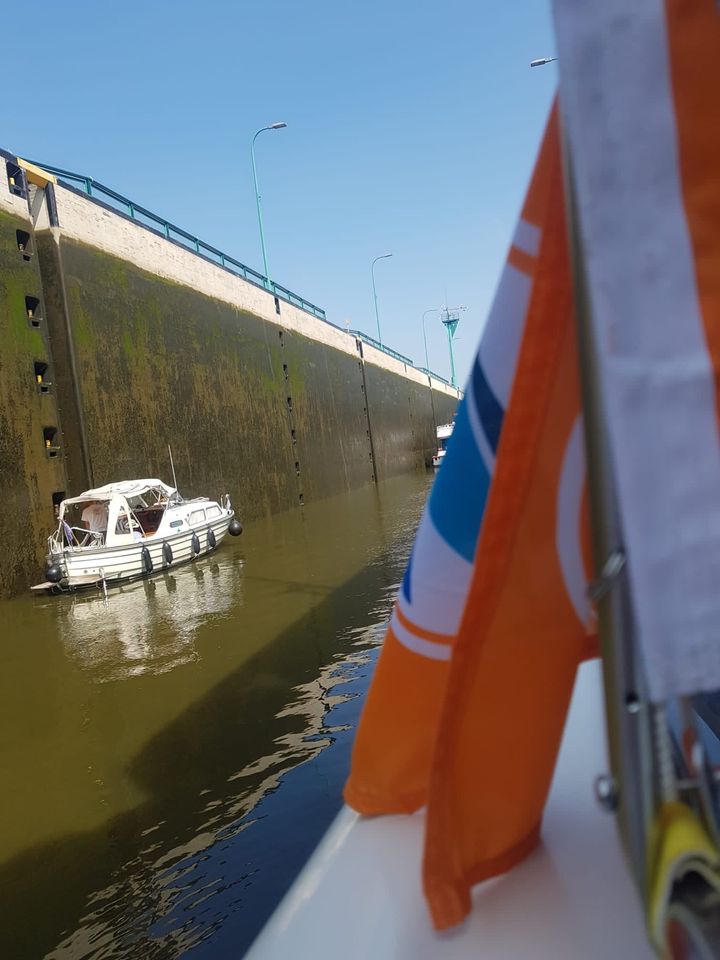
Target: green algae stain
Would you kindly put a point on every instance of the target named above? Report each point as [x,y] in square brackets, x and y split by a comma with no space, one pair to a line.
[27,475]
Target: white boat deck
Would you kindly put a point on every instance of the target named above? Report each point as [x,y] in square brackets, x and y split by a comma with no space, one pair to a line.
[360,894]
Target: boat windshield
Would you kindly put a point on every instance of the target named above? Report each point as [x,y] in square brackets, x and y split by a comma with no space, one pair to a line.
[84,524]
[147,510]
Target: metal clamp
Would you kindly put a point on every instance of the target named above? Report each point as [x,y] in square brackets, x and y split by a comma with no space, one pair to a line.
[612,568]
[607,793]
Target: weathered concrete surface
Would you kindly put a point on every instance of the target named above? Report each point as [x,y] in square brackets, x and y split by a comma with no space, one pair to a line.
[329,417]
[445,406]
[248,406]
[402,424]
[65,381]
[28,477]
[159,363]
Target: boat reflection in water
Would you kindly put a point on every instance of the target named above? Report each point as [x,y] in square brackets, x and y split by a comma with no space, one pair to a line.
[244,846]
[148,627]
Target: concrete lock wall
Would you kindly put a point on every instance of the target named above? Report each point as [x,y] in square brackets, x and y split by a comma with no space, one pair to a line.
[31,462]
[147,343]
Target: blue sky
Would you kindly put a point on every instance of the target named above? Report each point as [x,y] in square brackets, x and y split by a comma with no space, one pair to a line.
[412,129]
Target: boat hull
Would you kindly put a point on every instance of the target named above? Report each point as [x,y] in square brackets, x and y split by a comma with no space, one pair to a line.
[91,567]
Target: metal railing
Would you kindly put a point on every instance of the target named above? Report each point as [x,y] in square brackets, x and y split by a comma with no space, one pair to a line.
[381,346]
[398,356]
[116,201]
[436,376]
[110,198]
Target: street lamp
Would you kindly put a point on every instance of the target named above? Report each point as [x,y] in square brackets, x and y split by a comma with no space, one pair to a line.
[385,256]
[451,318]
[542,61]
[431,310]
[272,126]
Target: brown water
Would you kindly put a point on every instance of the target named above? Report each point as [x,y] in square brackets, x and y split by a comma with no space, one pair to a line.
[170,758]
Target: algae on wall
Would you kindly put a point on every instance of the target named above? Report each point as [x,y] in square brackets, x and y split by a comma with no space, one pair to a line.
[249,407]
[30,472]
[159,364]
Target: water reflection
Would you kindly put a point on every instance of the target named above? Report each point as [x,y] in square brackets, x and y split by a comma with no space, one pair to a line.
[250,835]
[176,755]
[148,627]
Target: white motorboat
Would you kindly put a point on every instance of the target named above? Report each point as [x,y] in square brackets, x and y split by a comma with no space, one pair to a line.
[444,432]
[126,530]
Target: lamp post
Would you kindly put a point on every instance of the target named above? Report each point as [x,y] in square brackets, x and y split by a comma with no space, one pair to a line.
[451,318]
[385,256]
[541,61]
[272,126]
[431,310]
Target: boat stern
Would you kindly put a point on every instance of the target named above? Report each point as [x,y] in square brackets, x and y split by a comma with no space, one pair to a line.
[56,574]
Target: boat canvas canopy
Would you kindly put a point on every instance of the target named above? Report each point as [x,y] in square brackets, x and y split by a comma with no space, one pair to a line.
[125,488]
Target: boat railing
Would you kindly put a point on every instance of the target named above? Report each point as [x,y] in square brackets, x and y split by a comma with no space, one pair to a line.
[74,538]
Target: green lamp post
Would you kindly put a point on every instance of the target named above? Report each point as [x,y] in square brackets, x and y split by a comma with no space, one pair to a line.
[450,319]
[272,126]
[431,310]
[385,256]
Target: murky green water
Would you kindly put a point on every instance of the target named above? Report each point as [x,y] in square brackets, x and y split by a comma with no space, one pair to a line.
[170,759]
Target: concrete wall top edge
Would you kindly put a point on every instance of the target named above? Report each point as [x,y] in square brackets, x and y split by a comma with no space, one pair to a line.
[96,225]
[380,359]
[91,223]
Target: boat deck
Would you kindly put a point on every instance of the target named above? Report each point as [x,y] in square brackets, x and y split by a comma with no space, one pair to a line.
[360,894]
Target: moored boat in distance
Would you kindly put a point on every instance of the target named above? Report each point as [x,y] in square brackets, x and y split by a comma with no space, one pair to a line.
[123,531]
[444,432]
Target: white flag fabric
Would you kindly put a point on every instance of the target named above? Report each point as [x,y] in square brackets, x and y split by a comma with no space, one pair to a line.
[639,97]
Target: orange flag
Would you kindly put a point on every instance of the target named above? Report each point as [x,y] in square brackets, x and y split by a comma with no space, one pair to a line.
[468,704]
[395,741]
[521,638]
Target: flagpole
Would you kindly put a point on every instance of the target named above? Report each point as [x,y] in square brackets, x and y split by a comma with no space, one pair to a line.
[451,318]
[643,778]
[628,789]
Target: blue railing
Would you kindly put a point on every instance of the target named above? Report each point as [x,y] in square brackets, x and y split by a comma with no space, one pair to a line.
[381,346]
[435,376]
[116,201]
[119,203]
[398,356]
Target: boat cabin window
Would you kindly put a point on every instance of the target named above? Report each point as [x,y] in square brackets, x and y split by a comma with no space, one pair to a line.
[126,523]
[197,516]
[212,512]
[147,516]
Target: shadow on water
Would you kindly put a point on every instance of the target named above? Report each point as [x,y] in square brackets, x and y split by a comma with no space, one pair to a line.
[108,892]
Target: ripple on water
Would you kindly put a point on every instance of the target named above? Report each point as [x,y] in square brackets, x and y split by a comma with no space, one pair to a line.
[191,737]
